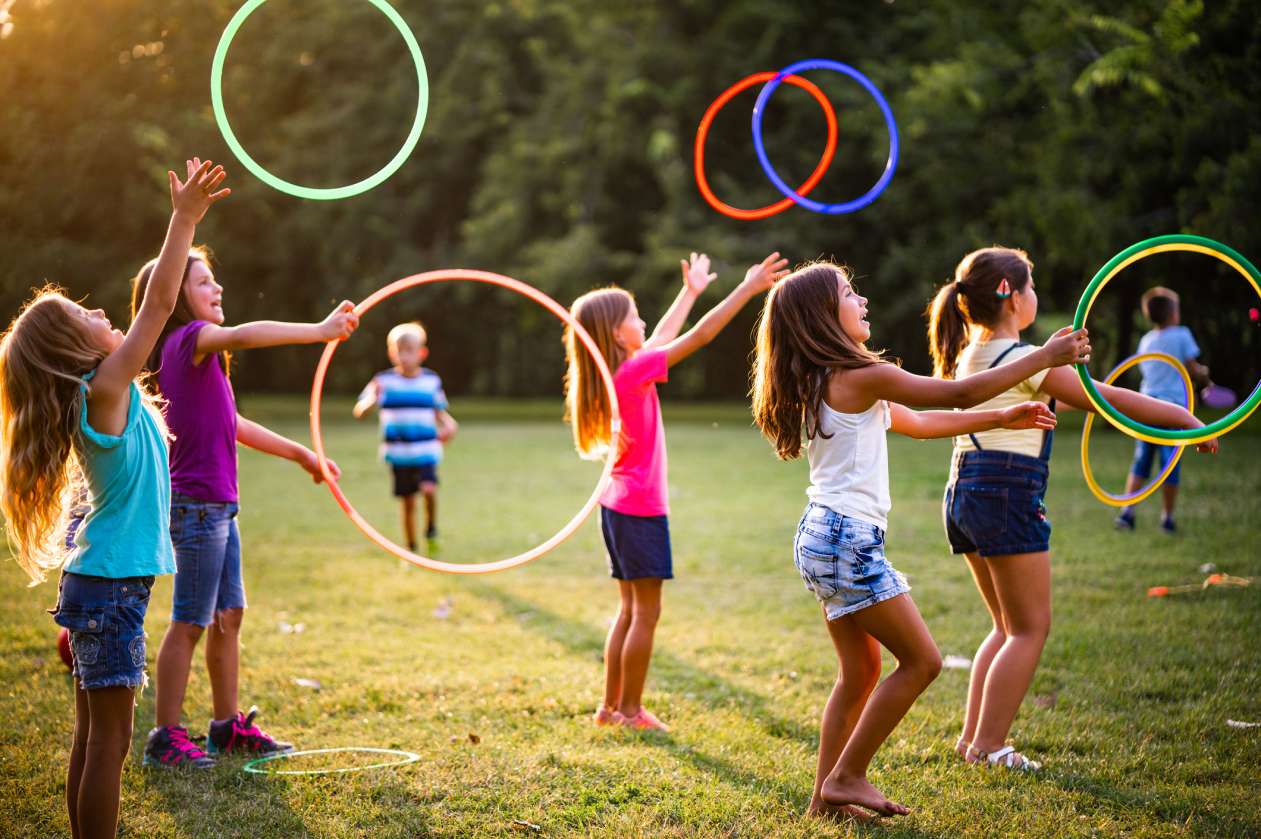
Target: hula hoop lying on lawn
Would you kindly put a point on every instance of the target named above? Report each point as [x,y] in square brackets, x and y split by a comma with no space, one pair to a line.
[449,275]
[1135,252]
[252,766]
[1140,494]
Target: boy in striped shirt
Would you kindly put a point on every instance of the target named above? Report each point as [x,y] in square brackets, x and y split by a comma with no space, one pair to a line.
[414,424]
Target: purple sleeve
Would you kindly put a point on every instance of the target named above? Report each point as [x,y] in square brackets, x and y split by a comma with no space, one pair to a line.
[181,345]
[644,368]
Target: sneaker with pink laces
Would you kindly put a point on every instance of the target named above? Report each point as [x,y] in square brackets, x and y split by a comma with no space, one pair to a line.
[239,734]
[170,747]
[605,715]
[644,721]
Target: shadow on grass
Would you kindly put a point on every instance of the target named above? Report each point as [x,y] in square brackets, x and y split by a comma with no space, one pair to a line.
[586,640]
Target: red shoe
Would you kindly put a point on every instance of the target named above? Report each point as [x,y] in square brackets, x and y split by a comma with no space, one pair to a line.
[607,716]
[644,721]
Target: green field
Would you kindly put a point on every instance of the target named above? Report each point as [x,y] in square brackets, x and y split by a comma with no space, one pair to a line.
[1128,710]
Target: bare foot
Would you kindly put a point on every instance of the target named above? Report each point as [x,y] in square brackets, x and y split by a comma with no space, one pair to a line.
[820,809]
[839,791]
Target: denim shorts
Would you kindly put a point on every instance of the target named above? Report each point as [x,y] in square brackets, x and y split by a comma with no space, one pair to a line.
[994,506]
[638,546]
[408,480]
[207,559]
[105,618]
[841,560]
[1145,453]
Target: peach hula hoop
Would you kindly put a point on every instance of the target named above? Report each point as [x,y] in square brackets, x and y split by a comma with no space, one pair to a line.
[462,274]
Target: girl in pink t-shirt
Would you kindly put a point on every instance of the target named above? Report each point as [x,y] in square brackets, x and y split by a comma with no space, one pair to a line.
[634,509]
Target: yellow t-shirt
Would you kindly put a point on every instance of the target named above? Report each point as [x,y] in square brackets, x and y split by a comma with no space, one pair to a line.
[977,357]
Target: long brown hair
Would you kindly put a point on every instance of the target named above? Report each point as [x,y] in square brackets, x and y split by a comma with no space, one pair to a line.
[44,355]
[586,401]
[182,313]
[972,299]
[800,341]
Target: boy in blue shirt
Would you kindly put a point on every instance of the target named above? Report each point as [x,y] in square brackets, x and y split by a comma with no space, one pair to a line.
[1160,305]
[414,424]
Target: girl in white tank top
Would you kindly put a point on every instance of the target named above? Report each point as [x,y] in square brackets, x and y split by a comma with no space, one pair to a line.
[813,370]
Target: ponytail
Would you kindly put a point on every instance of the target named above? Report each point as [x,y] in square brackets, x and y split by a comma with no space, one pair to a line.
[947,331]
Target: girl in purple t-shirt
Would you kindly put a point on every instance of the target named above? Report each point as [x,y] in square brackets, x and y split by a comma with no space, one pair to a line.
[634,508]
[191,365]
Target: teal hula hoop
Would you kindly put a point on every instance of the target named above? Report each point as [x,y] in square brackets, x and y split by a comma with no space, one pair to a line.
[1135,252]
[297,190]
[252,766]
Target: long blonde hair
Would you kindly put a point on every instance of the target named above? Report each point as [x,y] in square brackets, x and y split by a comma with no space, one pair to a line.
[800,341]
[972,298]
[587,405]
[44,355]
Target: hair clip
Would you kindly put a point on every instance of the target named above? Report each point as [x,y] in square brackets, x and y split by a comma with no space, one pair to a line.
[1004,289]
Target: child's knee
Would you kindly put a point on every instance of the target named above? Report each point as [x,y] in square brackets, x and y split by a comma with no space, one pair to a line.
[228,621]
[429,488]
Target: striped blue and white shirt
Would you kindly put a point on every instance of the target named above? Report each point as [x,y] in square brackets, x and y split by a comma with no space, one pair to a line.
[408,406]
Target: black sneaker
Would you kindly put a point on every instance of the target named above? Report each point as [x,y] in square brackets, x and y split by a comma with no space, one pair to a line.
[239,734]
[170,747]
[432,533]
[1125,521]
[1167,525]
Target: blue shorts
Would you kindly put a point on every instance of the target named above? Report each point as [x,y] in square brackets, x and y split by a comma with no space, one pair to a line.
[409,479]
[841,560]
[106,622]
[1145,453]
[638,546]
[207,559]
[994,506]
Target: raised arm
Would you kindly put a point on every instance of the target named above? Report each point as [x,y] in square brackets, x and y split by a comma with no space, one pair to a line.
[926,425]
[758,279]
[888,381]
[338,326]
[696,277]
[189,202]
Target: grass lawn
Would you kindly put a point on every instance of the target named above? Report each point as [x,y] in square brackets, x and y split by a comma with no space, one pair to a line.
[1128,710]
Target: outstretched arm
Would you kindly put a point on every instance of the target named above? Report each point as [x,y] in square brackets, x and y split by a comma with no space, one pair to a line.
[757,279]
[368,399]
[696,276]
[338,326]
[263,439]
[926,425]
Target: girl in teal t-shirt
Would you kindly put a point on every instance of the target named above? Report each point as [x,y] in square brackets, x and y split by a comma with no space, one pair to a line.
[75,423]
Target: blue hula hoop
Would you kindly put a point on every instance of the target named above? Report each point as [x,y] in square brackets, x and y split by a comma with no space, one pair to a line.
[890,166]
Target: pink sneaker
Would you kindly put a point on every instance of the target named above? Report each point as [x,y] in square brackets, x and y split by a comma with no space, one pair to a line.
[607,716]
[644,721]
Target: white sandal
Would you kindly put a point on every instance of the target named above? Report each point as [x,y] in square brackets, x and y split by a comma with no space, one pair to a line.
[1008,758]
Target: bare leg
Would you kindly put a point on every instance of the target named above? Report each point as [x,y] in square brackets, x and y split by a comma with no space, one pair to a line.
[897,625]
[175,657]
[78,752]
[223,661]
[109,737]
[613,647]
[1023,585]
[637,647]
[859,656]
[430,490]
[1169,498]
[409,521]
[984,653]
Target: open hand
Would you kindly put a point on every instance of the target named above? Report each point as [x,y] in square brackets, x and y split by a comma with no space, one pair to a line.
[194,195]
[311,464]
[1027,415]
[696,274]
[340,322]
[1068,347]
[766,273]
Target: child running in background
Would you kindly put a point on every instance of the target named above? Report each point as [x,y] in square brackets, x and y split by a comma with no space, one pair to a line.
[813,371]
[634,509]
[191,365]
[77,425]
[414,424]
[1160,381]
[993,507]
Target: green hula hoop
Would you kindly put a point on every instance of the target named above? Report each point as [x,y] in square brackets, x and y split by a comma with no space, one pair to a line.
[1135,252]
[252,766]
[297,190]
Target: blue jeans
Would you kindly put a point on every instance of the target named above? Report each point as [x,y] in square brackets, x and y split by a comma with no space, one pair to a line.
[207,559]
[841,560]
[105,618]
[1145,453]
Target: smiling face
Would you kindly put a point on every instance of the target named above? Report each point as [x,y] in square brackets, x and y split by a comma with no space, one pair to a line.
[629,334]
[203,294]
[100,331]
[852,311]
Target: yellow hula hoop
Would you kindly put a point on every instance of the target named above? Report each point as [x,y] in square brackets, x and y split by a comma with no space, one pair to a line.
[1138,495]
[1148,247]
